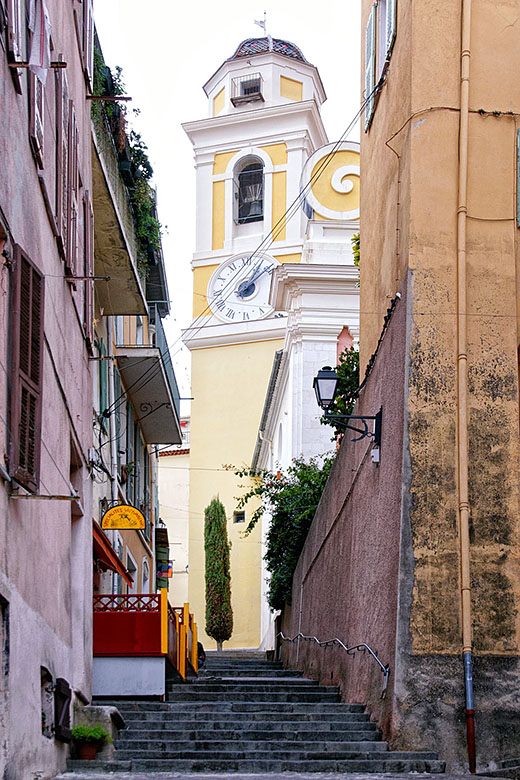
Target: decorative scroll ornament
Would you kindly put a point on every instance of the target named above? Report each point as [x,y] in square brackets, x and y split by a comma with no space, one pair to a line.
[330,182]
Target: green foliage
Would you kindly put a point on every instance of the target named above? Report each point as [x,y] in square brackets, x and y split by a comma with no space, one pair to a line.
[133,154]
[291,498]
[219,614]
[348,383]
[355,248]
[147,227]
[94,734]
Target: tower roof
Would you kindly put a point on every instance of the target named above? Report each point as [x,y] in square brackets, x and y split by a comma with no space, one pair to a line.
[252,46]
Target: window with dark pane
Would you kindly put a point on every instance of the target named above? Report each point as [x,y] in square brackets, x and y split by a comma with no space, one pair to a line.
[250,192]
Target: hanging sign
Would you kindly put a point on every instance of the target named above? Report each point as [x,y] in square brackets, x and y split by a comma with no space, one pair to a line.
[122,517]
[165,569]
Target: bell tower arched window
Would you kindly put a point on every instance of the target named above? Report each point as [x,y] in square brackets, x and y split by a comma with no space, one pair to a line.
[249,190]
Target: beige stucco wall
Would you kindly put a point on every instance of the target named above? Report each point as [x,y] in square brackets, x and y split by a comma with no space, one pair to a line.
[174,491]
[418,115]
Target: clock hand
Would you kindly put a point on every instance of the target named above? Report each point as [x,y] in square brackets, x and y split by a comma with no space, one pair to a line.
[244,288]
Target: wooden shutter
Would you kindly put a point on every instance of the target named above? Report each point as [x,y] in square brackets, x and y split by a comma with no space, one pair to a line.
[88,41]
[391,26]
[370,65]
[62,698]
[26,371]
[71,252]
[36,117]
[62,159]
[88,270]
[15,27]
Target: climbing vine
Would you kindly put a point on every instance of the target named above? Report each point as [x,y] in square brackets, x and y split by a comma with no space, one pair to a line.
[134,165]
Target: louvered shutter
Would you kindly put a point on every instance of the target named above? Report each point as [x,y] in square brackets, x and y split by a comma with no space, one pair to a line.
[370,65]
[26,376]
[62,698]
[391,26]
[88,41]
[73,187]
[62,159]
[36,116]
[88,270]
[15,39]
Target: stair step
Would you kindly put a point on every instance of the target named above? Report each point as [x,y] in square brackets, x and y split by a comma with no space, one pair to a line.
[269,765]
[222,746]
[199,709]
[236,731]
[252,697]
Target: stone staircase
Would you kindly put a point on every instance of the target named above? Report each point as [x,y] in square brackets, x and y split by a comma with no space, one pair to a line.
[249,715]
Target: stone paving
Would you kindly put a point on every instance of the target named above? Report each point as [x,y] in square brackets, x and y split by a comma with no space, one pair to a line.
[238,776]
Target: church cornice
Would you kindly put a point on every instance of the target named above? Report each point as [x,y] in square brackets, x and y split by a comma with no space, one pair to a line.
[201,132]
[206,336]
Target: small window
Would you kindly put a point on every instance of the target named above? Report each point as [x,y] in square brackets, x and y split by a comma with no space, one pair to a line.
[47,702]
[249,192]
[239,517]
[380,35]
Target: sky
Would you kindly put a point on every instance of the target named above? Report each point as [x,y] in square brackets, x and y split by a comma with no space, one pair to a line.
[167,51]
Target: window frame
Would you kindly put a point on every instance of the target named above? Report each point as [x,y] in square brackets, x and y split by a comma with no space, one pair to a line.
[26,382]
[245,166]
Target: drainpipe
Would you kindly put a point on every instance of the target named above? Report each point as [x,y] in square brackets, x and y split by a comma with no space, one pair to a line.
[462,384]
[114,443]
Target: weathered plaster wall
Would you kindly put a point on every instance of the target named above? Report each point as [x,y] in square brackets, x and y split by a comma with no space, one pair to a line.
[45,551]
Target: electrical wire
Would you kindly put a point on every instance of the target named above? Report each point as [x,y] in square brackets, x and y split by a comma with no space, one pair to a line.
[264,246]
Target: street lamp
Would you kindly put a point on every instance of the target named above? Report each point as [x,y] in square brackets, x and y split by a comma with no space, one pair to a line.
[325,385]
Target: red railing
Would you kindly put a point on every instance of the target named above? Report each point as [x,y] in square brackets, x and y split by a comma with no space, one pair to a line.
[145,625]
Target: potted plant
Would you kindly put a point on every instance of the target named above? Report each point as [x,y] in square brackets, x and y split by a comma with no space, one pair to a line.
[88,740]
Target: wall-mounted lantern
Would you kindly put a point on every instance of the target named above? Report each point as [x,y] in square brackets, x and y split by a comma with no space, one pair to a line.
[325,386]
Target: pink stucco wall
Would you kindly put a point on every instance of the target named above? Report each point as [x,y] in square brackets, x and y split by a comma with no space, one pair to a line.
[347,577]
[45,549]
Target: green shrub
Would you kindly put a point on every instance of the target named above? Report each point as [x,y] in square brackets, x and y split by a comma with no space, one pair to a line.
[219,614]
[91,734]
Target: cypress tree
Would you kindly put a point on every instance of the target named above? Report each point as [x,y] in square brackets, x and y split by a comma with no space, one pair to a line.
[219,614]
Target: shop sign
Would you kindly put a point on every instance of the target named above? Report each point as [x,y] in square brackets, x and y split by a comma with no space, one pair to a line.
[122,517]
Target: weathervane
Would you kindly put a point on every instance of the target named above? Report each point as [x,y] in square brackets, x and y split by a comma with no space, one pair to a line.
[263,25]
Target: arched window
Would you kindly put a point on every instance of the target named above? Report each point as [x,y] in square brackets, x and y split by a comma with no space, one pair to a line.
[249,190]
[146,577]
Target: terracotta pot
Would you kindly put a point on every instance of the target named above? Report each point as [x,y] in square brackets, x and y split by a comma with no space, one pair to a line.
[87,751]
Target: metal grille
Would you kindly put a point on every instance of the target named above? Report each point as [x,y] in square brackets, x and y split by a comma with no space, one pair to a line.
[136,603]
[246,88]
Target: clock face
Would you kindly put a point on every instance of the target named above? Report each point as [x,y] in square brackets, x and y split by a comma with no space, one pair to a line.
[238,291]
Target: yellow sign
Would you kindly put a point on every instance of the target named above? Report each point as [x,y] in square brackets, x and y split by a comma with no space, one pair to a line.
[122,517]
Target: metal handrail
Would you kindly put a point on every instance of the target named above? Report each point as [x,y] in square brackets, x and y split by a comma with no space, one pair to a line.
[362,647]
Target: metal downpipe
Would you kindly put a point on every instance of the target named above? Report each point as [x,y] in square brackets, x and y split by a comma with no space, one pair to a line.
[462,383]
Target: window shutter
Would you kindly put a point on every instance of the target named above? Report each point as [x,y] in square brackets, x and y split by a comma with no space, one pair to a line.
[88,41]
[62,698]
[14,39]
[391,26]
[88,270]
[26,368]
[72,201]
[62,159]
[36,115]
[370,65]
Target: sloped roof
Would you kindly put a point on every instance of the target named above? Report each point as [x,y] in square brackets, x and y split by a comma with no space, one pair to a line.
[252,46]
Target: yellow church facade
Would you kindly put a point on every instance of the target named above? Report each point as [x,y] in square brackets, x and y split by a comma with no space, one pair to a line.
[264,124]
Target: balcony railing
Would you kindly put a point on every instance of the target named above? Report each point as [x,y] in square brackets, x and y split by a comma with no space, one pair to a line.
[145,625]
[162,345]
[245,89]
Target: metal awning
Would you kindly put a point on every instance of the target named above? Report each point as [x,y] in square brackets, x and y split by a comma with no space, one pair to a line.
[106,554]
[153,395]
